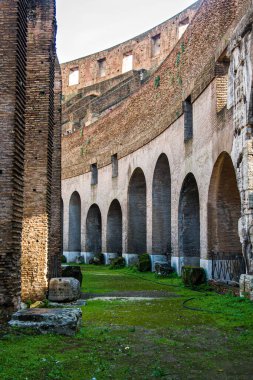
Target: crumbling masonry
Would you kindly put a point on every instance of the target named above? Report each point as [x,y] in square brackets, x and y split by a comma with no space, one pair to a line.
[30,119]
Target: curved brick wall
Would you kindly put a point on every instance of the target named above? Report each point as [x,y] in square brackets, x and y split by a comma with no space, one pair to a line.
[140,46]
[188,69]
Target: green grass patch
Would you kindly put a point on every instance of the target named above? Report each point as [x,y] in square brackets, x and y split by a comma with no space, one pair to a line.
[149,339]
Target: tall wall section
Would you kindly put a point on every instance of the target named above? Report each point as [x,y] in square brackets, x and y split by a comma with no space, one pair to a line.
[144,54]
[30,150]
[188,69]
[13,29]
[39,118]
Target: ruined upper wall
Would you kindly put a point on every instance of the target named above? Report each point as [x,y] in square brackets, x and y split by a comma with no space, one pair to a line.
[148,50]
[188,70]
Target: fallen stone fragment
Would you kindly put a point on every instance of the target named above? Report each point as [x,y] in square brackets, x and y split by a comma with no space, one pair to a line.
[37,304]
[48,321]
[64,289]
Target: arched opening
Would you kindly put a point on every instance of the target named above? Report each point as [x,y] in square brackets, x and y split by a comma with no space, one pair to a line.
[94,230]
[75,223]
[161,207]
[224,208]
[137,214]
[114,228]
[189,222]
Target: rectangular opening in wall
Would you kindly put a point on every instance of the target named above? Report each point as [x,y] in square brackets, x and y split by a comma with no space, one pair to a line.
[94,174]
[101,67]
[114,165]
[127,63]
[221,74]
[188,119]
[183,25]
[74,76]
[155,45]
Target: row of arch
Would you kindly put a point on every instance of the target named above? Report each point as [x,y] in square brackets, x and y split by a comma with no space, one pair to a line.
[224,209]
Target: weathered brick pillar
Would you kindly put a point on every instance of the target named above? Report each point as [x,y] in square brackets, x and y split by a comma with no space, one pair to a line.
[55,239]
[39,124]
[12,126]
[240,98]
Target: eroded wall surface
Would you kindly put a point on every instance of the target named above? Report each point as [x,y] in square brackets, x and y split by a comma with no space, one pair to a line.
[30,150]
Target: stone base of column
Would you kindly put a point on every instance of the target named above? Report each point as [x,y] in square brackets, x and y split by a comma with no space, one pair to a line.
[109,256]
[71,257]
[178,262]
[131,258]
[87,256]
[157,258]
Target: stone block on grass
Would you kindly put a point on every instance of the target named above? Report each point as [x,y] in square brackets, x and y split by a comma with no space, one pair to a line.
[48,321]
[64,289]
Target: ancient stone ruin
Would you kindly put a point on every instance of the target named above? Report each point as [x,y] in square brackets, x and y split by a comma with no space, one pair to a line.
[30,154]
[157,153]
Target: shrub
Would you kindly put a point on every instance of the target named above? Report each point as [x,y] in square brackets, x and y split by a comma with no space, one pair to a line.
[63,259]
[193,276]
[144,264]
[117,263]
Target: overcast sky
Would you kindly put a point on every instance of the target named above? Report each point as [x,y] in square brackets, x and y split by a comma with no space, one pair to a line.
[88,26]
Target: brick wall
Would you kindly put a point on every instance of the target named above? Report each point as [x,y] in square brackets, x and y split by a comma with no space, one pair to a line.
[140,47]
[12,106]
[189,69]
[39,118]
[30,149]
[55,239]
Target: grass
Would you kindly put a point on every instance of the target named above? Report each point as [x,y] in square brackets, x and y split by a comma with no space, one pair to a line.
[138,340]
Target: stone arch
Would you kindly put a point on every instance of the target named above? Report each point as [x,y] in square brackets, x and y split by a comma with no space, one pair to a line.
[75,223]
[94,230]
[161,207]
[137,213]
[114,228]
[189,222]
[224,208]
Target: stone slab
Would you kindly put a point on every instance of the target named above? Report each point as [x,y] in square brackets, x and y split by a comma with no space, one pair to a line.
[49,321]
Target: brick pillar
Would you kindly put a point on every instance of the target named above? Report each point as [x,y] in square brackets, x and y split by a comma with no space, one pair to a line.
[12,108]
[39,124]
[55,239]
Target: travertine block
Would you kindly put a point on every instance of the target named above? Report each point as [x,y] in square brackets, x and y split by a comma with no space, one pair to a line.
[64,289]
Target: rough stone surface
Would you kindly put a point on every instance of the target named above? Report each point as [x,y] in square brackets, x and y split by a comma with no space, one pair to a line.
[64,289]
[48,321]
[246,286]
[72,271]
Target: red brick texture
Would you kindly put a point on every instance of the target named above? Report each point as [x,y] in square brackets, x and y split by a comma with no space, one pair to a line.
[29,154]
